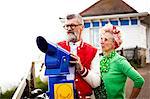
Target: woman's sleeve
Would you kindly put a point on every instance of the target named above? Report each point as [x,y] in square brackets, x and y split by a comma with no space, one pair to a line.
[128,70]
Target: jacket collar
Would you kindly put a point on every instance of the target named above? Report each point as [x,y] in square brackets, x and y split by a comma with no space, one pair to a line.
[79,43]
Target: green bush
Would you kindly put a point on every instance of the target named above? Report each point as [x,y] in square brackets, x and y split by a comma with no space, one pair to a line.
[41,85]
[8,94]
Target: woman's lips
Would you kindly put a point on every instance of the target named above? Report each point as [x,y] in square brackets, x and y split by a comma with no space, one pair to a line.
[102,46]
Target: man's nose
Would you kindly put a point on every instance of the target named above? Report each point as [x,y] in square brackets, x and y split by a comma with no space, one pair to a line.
[69,28]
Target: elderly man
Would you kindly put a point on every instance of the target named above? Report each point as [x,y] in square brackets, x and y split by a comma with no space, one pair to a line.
[87,73]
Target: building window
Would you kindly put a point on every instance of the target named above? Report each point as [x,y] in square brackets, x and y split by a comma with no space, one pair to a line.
[87,35]
[124,22]
[95,24]
[104,22]
[87,25]
[134,21]
[95,37]
[114,22]
[91,36]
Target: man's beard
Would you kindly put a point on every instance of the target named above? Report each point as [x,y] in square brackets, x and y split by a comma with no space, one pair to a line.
[72,37]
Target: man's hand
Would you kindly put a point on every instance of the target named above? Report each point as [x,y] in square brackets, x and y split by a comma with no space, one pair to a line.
[76,61]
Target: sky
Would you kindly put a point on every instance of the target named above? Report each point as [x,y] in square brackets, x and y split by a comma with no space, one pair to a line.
[21,21]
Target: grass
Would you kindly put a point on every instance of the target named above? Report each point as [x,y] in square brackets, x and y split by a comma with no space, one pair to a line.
[41,85]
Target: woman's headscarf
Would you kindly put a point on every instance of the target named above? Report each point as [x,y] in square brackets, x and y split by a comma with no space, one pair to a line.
[114,31]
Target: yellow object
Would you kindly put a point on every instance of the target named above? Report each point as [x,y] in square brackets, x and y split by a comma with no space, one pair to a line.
[64,91]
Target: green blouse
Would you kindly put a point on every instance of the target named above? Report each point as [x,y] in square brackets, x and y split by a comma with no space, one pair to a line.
[115,75]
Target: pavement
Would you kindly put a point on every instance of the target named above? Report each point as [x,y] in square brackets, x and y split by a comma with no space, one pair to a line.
[145,91]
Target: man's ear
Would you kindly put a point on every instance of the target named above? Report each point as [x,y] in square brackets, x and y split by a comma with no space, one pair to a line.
[81,28]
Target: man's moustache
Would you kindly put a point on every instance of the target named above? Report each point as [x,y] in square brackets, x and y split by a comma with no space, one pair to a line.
[73,33]
[72,37]
[70,32]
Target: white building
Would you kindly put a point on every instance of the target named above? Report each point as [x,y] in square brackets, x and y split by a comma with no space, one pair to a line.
[135,27]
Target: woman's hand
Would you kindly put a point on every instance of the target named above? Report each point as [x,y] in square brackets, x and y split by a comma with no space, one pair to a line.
[135,93]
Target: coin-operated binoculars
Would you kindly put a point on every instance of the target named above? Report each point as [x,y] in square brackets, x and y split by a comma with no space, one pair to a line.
[57,68]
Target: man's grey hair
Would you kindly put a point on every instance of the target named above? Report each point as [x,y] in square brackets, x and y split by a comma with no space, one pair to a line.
[77,16]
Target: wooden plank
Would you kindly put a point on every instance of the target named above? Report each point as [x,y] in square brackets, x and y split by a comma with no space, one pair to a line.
[30,77]
[20,90]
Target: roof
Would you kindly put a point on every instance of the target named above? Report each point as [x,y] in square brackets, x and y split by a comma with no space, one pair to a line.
[146,20]
[108,7]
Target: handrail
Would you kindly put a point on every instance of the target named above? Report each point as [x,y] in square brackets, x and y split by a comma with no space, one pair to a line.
[24,83]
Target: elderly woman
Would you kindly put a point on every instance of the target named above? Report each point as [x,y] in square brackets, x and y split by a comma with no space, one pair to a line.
[114,68]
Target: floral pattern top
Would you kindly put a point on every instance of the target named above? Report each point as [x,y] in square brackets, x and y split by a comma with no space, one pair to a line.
[105,62]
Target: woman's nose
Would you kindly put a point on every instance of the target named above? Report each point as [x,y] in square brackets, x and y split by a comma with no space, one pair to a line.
[101,41]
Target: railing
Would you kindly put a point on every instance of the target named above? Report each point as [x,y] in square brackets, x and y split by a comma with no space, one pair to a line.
[26,85]
[136,54]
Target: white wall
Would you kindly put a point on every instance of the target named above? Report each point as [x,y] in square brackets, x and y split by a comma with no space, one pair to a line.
[148,45]
[133,35]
